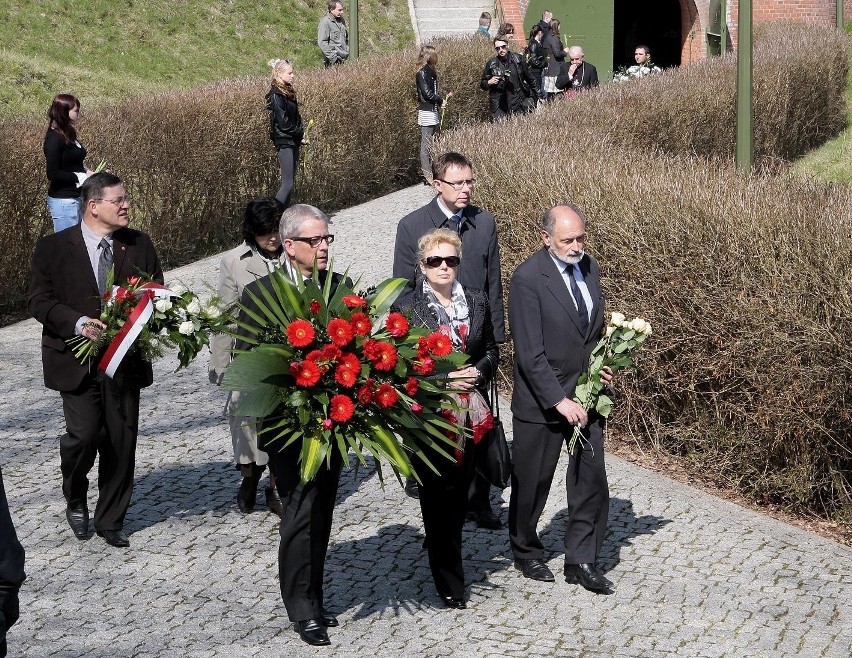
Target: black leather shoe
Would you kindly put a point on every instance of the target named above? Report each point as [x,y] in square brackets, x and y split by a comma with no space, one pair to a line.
[115,538]
[313,632]
[247,494]
[412,489]
[273,502]
[488,520]
[589,577]
[535,568]
[327,619]
[78,519]
[453,602]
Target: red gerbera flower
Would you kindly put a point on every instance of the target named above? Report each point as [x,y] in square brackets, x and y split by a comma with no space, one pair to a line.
[424,366]
[340,332]
[397,325]
[386,395]
[383,355]
[121,294]
[307,373]
[361,324]
[300,333]
[341,408]
[354,301]
[412,385]
[365,394]
[439,344]
[349,361]
[315,307]
[345,376]
[331,352]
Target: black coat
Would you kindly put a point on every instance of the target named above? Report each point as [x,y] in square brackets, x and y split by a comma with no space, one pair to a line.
[428,98]
[480,344]
[585,77]
[517,86]
[285,123]
[555,52]
[536,56]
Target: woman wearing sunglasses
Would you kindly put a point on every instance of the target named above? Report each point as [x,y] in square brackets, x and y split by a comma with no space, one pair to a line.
[439,303]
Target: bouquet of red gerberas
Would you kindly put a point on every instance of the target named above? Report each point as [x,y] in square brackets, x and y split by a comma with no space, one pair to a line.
[332,370]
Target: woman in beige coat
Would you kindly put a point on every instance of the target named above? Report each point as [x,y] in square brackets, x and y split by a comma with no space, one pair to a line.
[257,256]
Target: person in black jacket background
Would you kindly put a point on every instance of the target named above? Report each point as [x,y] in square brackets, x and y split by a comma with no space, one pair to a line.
[429,103]
[507,79]
[536,57]
[64,156]
[11,569]
[286,129]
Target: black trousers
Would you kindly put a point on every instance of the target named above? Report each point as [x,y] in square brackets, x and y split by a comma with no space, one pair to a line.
[11,569]
[443,503]
[305,530]
[102,420]
[535,450]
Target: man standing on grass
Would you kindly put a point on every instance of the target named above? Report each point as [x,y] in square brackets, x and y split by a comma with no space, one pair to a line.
[333,36]
[69,274]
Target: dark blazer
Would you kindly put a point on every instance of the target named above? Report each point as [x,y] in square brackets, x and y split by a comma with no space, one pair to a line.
[587,79]
[63,288]
[480,267]
[555,53]
[551,352]
[480,345]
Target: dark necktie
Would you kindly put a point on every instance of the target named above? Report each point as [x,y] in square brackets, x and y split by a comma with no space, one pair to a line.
[454,223]
[582,310]
[104,263]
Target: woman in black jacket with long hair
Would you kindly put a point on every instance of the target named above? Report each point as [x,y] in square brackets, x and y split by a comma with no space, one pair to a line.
[439,303]
[537,57]
[429,103]
[555,52]
[64,156]
[285,125]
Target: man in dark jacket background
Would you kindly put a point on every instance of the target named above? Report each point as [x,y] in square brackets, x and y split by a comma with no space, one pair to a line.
[510,85]
[11,569]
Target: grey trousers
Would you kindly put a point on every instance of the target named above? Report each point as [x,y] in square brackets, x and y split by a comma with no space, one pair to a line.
[426,134]
[288,159]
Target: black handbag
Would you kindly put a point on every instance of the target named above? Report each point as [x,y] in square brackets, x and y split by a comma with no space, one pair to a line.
[493,459]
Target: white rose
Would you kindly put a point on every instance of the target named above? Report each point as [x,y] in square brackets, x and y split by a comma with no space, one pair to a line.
[610,330]
[647,329]
[635,324]
[186,328]
[617,320]
[194,306]
[212,310]
[177,288]
[163,304]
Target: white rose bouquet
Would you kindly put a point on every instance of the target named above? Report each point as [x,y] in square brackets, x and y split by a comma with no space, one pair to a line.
[615,350]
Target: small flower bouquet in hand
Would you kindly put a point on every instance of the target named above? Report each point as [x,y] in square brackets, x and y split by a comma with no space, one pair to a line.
[330,372]
[145,316]
[621,339]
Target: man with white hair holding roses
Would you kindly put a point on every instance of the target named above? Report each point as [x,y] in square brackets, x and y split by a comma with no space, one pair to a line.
[556,315]
[69,280]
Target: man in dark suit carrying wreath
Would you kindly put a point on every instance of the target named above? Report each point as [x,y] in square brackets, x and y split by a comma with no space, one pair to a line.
[452,177]
[556,312]
[67,283]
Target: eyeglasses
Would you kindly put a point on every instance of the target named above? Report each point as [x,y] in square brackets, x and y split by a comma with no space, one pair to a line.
[459,184]
[118,201]
[315,240]
[501,47]
[435,261]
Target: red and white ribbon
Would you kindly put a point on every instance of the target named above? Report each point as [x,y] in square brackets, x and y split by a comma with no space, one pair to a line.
[132,327]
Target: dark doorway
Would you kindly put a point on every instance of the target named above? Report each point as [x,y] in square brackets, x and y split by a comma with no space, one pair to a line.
[654,23]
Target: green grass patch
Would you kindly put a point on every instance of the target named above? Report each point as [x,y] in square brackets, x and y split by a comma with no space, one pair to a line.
[832,162]
[104,52]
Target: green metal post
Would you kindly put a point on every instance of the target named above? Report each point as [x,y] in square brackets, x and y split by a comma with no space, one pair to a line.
[353,29]
[840,21]
[745,136]
[723,27]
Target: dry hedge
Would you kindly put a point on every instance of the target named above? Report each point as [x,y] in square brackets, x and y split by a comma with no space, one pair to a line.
[744,278]
[192,158]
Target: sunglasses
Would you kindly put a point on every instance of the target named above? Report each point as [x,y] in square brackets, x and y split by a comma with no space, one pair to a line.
[435,261]
[316,240]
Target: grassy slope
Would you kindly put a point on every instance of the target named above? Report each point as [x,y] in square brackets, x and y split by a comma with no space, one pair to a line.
[102,51]
[832,162]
